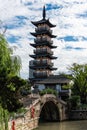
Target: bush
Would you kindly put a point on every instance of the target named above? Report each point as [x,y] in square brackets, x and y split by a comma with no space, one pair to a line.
[4,117]
[74,101]
[48,91]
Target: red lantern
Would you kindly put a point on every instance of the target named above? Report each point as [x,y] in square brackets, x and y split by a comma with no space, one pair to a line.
[13,125]
[32,112]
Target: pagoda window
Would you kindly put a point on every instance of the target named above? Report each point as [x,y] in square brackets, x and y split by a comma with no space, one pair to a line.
[49,61]
[38,37]
[42,25]
[44,47]
[37,47]
[38,59]
[44,60]
[50,72]
[48,37]
[44,36]
[37,71]
[45,26]
[39,25]
[47,72]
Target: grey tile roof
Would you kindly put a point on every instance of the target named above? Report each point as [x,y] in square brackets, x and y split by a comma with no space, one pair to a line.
[55,79]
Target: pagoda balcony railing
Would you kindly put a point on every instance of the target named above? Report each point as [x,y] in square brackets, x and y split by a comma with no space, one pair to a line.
[40,74]
[41,39]
[42,62]
[45,28]
[42,51]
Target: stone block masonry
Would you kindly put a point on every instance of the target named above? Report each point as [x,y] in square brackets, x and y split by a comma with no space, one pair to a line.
[26,121]
[24,124]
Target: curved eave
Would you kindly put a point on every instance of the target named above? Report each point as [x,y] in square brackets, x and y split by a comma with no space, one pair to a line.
[42,22]
[54,57]
[40,44]
[36,56]
[34,79]
[33,45]
[54,68]
[42,67]
[54,46]
[35,34]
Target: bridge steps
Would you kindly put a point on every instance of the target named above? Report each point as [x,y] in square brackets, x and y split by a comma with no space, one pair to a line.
[27,122]
[29,100]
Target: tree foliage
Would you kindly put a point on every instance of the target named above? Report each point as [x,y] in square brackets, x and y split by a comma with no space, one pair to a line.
[48,91]
[4,117]
[79,76]
[9,65]
[74,101]
[10,83]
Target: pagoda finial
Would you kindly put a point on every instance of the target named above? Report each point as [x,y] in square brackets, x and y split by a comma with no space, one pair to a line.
[44,12]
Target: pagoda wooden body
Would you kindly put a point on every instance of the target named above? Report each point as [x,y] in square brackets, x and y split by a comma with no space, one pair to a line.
[41,66]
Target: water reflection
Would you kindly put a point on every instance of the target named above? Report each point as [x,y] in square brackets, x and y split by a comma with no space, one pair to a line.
[69,125]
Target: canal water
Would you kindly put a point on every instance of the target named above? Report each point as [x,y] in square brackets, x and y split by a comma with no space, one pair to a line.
[67,125]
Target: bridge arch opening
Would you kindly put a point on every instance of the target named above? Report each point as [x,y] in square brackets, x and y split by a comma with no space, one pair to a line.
[49,112]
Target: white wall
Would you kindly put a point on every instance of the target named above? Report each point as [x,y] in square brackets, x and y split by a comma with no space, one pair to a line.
[41,87]
[58,88]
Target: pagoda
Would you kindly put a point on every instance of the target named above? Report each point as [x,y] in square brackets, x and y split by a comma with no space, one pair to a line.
[41,67]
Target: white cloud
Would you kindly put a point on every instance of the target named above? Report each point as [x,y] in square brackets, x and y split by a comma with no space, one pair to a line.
[68,23]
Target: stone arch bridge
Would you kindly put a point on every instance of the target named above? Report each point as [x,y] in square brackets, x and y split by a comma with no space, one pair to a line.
[47,108]
[52,109]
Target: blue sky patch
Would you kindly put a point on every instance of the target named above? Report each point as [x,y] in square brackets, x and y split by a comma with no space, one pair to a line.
[28,3]
[66,26]
[21,17]
[12,26]
[73,48]
[78,48]
[51,6]
[84,15]
[84,38]
[19,21]
[68,38]
[68,47]
[35,9]
[13,39]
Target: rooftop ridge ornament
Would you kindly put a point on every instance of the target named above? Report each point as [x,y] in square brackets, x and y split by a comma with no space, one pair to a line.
[44,12]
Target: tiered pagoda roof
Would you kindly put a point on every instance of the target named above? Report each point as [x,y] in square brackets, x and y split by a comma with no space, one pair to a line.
[42,65]
[43,55]
[44,20]
[56,79]
[44,32]
[43,43]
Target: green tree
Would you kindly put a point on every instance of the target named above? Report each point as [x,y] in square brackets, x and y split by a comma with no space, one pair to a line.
[79,76]
[4,117]
[9,81]
[12,93]
[26,89]
[74,102]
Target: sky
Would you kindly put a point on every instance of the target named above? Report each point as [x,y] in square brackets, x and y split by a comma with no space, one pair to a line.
[70,18]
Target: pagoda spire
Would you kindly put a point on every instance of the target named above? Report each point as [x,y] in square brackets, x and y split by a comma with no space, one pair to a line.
[44,12]
[41,66]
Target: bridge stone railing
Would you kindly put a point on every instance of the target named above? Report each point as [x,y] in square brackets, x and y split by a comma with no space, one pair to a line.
[26,122]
